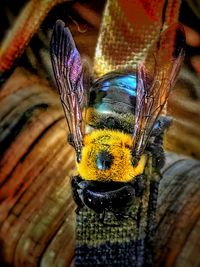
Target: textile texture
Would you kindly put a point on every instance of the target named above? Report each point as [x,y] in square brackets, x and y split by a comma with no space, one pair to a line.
[128,30]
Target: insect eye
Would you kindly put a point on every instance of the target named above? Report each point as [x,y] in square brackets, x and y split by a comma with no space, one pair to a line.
[104,160]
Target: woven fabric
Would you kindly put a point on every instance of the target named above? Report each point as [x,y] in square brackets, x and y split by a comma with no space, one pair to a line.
[128,30]
[119,243]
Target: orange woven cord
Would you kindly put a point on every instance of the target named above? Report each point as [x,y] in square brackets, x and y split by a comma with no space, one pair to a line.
[128,30]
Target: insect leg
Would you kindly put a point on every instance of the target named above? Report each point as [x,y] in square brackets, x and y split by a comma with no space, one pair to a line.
[75,186]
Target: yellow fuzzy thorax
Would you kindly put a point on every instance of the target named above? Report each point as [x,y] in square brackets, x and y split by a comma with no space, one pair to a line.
[116,143]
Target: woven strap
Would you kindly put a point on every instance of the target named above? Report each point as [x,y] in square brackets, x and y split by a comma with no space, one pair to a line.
[119,243]
[128,29]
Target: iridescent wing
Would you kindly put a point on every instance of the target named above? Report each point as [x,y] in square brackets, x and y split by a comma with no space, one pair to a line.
[69,71]
[155,79]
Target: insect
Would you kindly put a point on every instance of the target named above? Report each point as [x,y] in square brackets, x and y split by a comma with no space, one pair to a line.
[115,121]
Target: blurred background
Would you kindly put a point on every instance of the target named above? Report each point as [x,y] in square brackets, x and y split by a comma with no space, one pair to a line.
[36,212]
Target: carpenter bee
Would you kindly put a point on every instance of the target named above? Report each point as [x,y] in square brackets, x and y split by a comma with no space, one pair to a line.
[115,121]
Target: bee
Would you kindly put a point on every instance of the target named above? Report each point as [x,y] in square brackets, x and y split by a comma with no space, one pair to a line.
[115,122]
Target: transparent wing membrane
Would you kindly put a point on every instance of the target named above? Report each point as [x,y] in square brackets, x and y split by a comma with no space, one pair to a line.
[155,79]
[68,71]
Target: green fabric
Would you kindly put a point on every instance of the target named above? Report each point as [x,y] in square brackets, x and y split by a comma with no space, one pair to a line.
[119,243]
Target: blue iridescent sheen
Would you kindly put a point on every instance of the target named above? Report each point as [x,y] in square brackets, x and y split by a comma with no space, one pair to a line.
[104,160]
[114,92]
[126,83]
